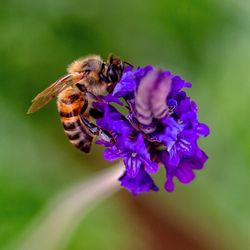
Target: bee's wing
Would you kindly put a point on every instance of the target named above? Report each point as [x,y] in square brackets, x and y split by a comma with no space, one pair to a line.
[53,90]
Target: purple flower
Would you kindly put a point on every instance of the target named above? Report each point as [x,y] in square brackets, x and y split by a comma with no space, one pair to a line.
[159,126]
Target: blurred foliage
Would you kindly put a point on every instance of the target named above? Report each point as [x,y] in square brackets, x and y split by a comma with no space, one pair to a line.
[207,42]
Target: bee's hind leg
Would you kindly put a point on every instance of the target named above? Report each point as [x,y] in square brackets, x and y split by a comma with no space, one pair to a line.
[91,126]
[95,130]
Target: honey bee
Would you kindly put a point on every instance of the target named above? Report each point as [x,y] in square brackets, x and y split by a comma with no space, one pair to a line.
[87,78]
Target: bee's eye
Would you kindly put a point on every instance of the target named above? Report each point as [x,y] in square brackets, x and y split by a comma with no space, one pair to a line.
[87,71]
[113,74]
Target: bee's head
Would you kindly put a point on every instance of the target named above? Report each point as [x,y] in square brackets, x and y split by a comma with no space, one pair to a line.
[112,71]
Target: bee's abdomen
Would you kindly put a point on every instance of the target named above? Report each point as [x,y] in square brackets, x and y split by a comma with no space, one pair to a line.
[69,107]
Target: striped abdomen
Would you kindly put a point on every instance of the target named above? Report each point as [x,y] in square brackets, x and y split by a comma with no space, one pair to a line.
[70,105]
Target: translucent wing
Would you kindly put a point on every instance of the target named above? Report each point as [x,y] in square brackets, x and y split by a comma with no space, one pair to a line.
[53,90]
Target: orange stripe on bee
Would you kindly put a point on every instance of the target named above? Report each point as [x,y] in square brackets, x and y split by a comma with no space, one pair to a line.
[67,107]
[69,110]
[73,119]
[70,106]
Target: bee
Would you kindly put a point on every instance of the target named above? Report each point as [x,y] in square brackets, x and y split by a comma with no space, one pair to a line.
[87,78]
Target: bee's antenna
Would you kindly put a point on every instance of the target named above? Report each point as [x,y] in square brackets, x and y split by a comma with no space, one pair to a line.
[128,64]
[110,57]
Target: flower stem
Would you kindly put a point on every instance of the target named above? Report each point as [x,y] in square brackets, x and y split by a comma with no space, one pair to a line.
[55,226]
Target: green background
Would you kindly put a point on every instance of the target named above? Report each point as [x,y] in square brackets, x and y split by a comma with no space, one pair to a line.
[207,42]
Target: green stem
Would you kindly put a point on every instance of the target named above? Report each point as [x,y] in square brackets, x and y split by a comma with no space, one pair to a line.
[54,227]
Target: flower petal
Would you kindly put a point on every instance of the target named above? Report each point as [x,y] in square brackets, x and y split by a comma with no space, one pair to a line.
[179,83]
[141,183]
[111,154]
[184,173]
[169,185]
[203,130]
[132,166]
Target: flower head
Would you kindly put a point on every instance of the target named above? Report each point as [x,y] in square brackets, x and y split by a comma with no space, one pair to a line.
[160,125]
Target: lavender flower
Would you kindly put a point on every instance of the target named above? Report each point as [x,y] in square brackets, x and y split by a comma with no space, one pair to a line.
[160,125]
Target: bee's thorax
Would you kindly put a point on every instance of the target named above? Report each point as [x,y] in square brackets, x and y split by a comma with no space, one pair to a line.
[89,63]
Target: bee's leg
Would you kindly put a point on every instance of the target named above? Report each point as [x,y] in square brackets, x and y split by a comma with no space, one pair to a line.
[84,91]
[89,95]
[95,130]
[92,96]
[95,113]
[110,87]
[83,117]
[81,87]
[106,136]
[91,126]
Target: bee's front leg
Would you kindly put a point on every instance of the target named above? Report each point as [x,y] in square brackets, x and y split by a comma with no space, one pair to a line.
[81,87]
[84,90]
[92,96]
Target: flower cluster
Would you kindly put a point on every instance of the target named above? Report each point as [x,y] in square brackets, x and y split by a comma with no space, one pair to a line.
[159,126]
